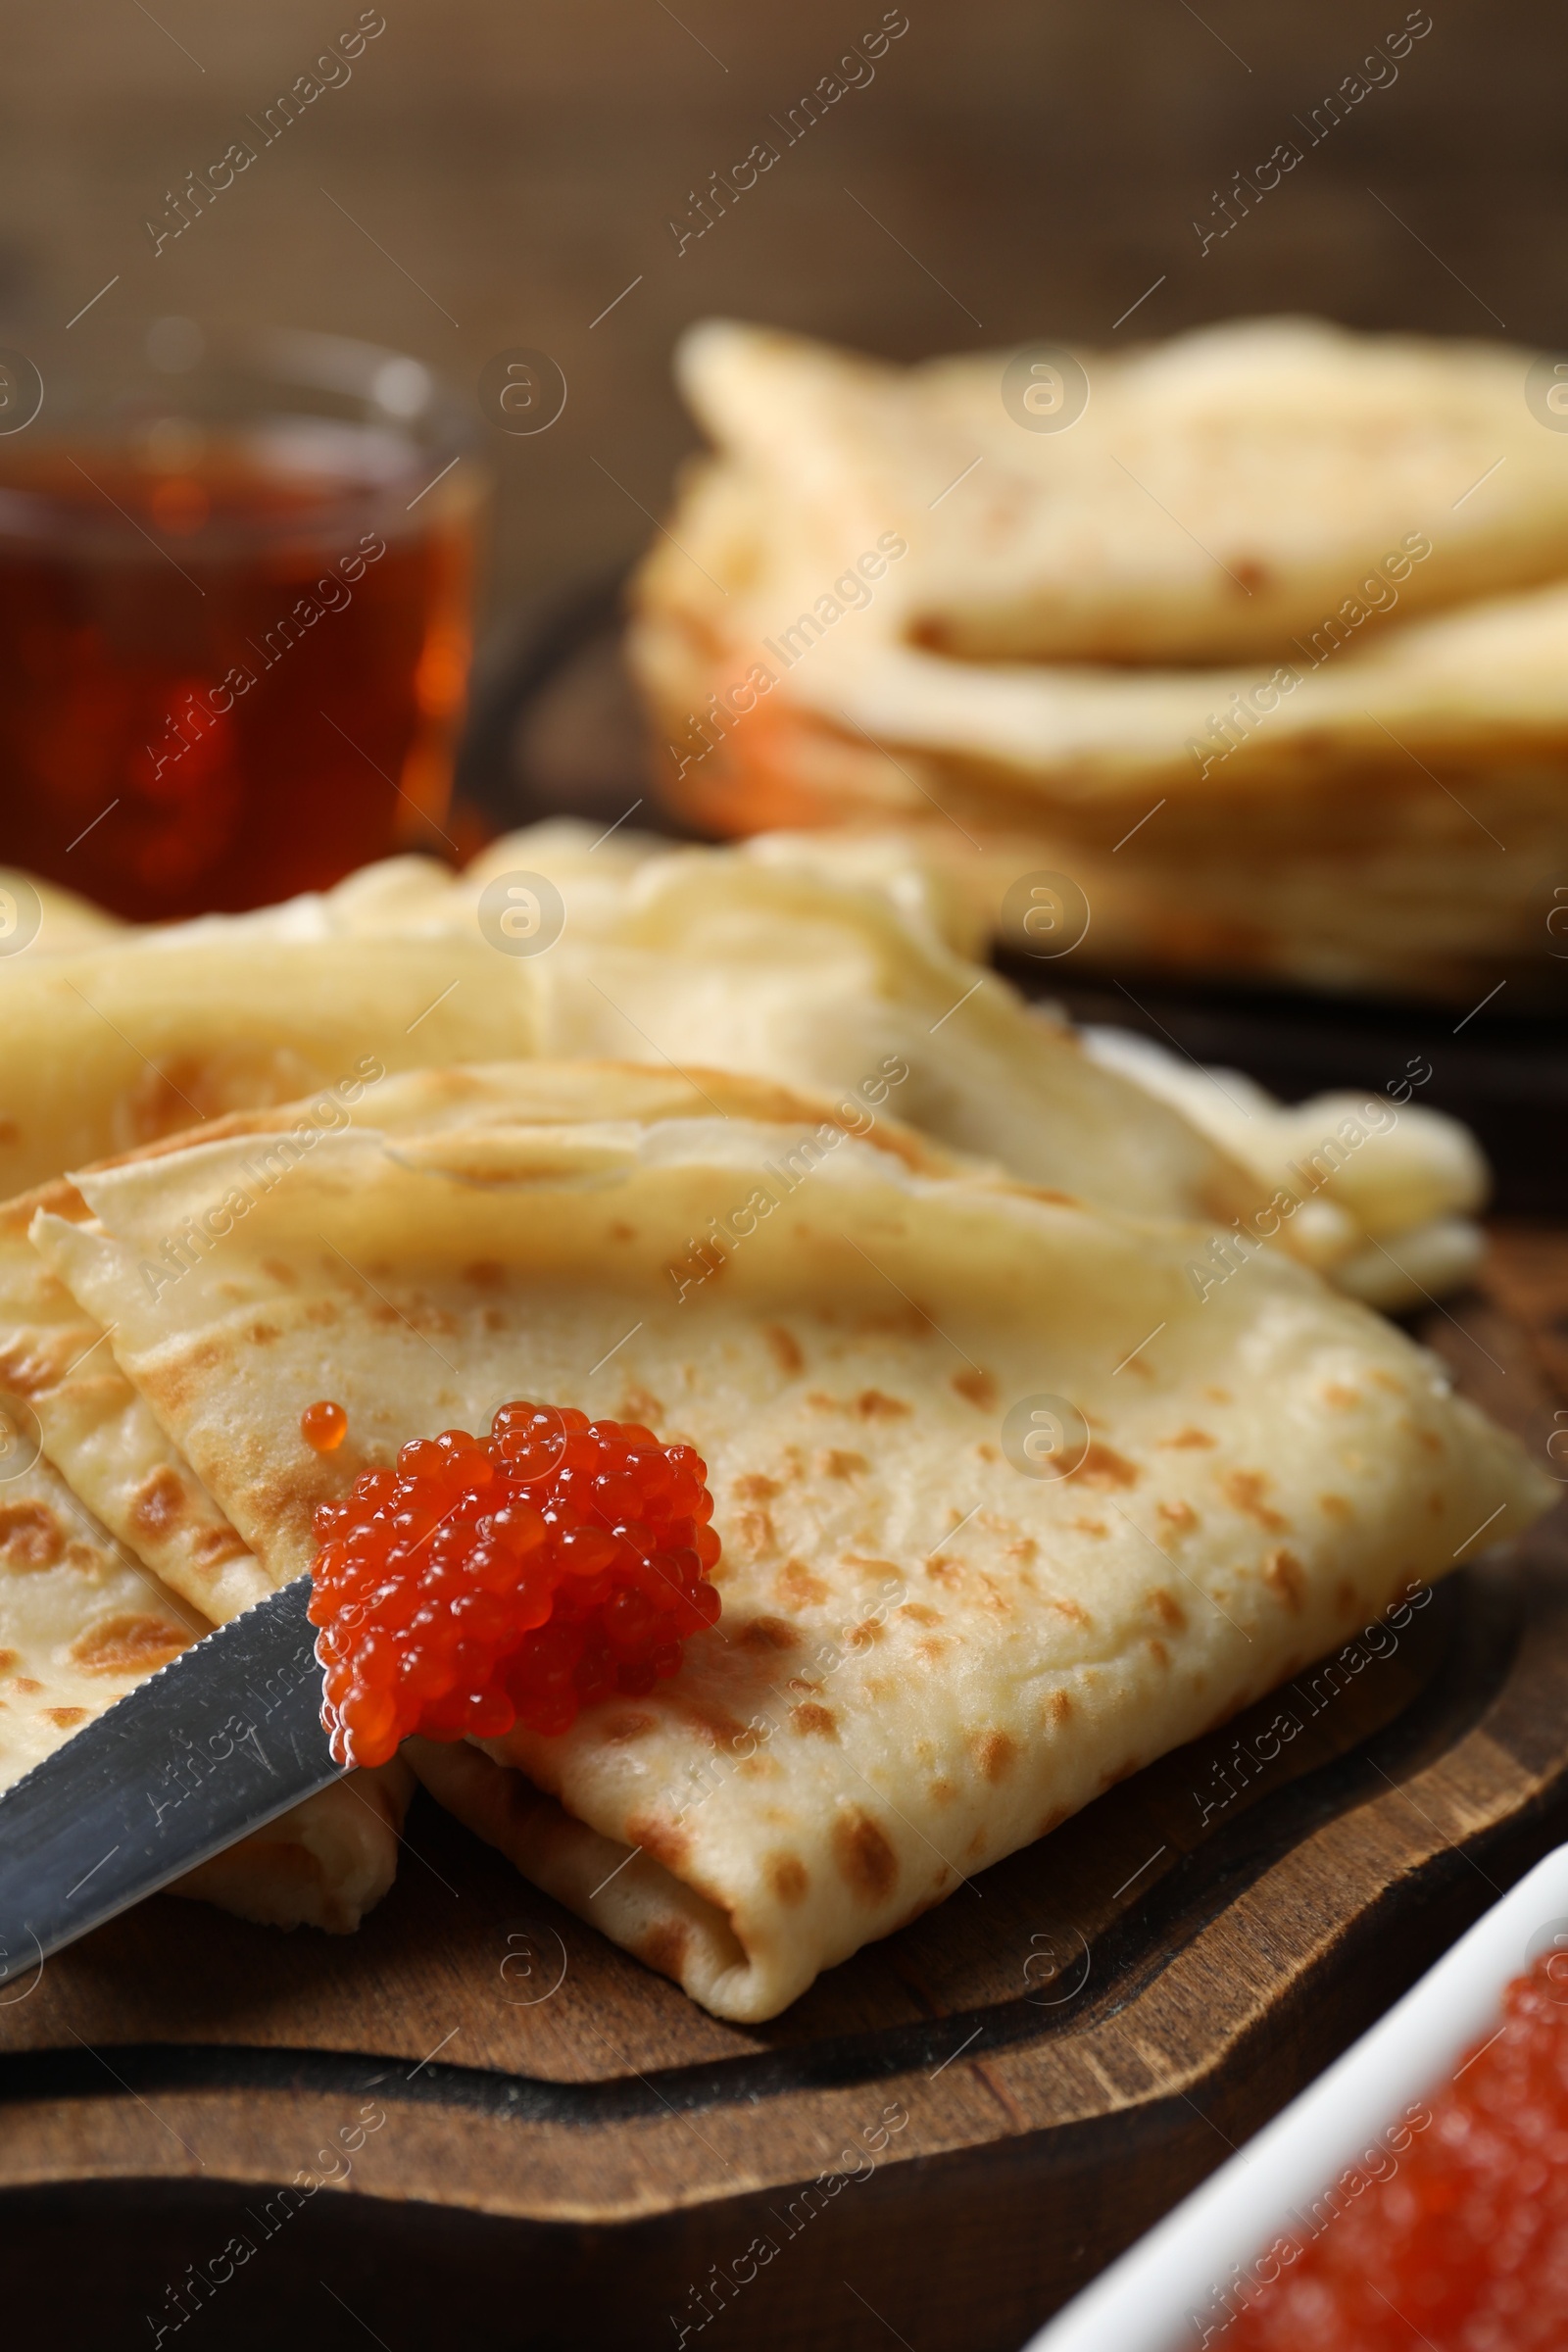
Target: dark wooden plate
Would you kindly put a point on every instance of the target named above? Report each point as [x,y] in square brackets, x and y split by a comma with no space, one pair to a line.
[999,2097]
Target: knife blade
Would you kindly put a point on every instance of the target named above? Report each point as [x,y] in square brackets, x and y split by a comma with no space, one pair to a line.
[214,1744]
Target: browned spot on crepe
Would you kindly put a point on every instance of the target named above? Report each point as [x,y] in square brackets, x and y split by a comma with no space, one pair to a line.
[1190,1436]
[1073,1610]
[1344,1596]
[810,1718]
[642,1406]
[1180,1515]
[1167,1609]
[1058,1706]
[706,1716]
[485,1274]
[261,1335]
[1104,1466]
[1386,1380]
[917,1610]
[786,1875]
[664,1948]
[795,1583]
[659,1838]
[755,1533]
[1342,1399]
[979,1387]
[30,1535]
[128,1644]
[8,1659]
[996,1754]
[281,1271]
[213,1546]
[620,1231]
[872,1405]
[66,1718]
[1245,1490]
[754,1488]
[1284,1575]
[159,1501]
[866,1861]
[25,1371]
[786,1348]
[943,1793]
[839,1462]
[765,1634]
[27,1686]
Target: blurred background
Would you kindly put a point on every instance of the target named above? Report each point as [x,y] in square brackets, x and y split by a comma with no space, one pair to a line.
[493,177]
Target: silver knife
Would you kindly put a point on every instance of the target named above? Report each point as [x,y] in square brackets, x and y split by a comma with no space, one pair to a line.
[213,1746]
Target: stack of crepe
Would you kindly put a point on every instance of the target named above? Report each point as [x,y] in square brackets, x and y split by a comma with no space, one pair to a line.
[1267,648]
[755,1154]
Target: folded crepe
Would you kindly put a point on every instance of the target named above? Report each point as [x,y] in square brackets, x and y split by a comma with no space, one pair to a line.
[1409,1178]
[930,1653]
[722,960]
[81,1623]
[819,968]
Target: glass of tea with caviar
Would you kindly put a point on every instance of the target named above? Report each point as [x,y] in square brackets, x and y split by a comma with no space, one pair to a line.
[237,585]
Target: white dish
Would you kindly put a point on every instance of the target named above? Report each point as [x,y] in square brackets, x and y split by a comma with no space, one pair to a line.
[1176,2288]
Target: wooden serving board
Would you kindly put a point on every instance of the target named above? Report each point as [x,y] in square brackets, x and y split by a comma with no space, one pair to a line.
[933,2149]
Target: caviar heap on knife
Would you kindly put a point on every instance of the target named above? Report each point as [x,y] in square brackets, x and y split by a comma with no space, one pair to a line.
[519,1577]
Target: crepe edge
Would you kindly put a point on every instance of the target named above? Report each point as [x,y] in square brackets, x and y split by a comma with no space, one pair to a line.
[322,1864]
[630,1898]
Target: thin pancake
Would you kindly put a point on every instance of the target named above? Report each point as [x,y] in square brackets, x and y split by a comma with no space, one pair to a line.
[928,1655]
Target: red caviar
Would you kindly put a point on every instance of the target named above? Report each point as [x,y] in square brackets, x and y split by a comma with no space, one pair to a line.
[1462,2245]
[323,1426]
[485,1581]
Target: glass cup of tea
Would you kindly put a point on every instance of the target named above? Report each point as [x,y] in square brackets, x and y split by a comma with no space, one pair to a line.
[237,590]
